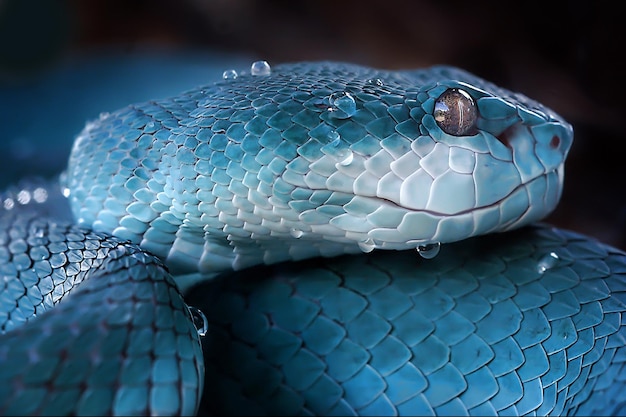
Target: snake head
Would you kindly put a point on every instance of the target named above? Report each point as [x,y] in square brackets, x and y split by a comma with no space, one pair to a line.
[480,158]
[314,159]
[427,156]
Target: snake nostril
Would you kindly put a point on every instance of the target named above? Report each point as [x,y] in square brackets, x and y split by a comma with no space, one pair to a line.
[555,142]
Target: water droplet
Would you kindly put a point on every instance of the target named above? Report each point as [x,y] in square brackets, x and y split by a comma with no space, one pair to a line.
[547,261]
[429,250]
[23,197]
[348,159]
[338,149]
[297,233]
[39,232]
[199,320]
[8,203]
[375,81]
[333,135]
[367,245]
[342,104]
[40,195]
[66,192]
[260,68]
[229,74]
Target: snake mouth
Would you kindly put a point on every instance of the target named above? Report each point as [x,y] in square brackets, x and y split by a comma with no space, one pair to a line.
[389,225]
[550,194]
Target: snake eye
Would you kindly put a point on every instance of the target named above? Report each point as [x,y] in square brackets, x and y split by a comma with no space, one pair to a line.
[455,112]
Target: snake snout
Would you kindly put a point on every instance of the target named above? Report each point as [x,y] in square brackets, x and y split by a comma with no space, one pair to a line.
[553,142]
[538,148]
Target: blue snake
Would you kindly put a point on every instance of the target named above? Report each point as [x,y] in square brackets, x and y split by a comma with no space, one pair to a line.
[357,241]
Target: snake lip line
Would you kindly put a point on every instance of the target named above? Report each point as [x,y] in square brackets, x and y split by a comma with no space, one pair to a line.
[438,214]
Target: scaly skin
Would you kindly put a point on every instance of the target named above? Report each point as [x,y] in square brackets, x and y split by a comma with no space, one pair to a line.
[296,162]
[314,159]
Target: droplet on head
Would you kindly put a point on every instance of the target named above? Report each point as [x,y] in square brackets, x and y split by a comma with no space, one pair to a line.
[297,233]
[429,250]
[260,68]
[229,74]
[199,320]
[66,192]
[367,245]
[333,135]
[547,261]
[348,158]
[375,81]
[343,104]
[338,149]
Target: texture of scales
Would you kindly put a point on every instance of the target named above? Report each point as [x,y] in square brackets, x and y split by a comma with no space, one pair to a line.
[293,162]
[527,323]
[314,159]
[84,314]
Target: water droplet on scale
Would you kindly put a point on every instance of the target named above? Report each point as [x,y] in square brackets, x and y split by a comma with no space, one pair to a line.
[367,245]
[229,74]
[343,104]
[429,250]
[333,136]
[375,81]
[547,261]
[297,233]
[338,149]
[199,320]
[260,68]
[348,158]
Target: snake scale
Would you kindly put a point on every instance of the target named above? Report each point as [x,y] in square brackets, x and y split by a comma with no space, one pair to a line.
[358,242]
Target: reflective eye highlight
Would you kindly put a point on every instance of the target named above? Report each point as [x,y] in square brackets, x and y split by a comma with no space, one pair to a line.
[456,113]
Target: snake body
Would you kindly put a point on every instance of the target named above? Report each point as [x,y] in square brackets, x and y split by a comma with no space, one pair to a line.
[292,163]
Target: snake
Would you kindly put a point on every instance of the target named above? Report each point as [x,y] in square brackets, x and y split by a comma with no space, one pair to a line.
[310,238]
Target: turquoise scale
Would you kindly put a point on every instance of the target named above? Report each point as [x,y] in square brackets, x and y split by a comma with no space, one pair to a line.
[125,325]
[481,329]
[310,159]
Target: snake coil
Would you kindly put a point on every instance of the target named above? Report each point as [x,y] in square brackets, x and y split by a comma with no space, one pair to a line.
[265,172]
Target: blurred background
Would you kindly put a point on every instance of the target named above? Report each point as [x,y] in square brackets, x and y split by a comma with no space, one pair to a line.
[64,61]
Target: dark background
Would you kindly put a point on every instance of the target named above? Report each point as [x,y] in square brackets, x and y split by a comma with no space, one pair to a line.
[567,56]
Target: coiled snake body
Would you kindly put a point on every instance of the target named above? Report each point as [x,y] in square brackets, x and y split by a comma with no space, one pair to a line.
[306,162]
